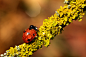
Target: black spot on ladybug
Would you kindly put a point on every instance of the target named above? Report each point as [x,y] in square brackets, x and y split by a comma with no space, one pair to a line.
[32,41]
[28,40]
[33,34]
[24,31]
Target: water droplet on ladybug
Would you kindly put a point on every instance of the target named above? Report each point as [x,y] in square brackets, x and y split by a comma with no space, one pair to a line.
[28,33]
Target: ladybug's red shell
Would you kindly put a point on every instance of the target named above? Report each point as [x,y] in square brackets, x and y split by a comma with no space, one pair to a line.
[29,35]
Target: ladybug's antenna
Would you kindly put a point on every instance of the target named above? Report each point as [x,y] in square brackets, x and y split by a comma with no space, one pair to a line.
[33,27]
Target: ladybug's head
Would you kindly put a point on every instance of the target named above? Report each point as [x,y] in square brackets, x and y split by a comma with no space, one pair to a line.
[33,27]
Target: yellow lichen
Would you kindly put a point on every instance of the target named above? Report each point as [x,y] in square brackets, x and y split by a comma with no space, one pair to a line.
[51,26]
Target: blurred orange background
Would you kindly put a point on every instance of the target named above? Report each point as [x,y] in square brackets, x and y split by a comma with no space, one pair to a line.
[14,20]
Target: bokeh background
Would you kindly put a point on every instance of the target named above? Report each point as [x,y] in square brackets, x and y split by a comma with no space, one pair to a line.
[18,15]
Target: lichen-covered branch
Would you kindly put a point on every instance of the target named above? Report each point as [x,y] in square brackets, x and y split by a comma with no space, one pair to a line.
[72,10]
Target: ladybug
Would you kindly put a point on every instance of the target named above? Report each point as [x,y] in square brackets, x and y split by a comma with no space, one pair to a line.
[29,34]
